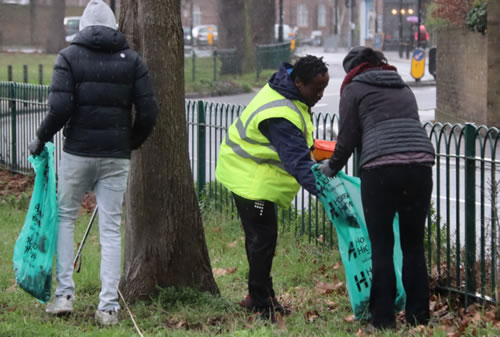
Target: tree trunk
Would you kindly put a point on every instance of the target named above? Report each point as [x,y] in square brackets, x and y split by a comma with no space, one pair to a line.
[262,18]
[164,238]
[32,6]
[244,23]
[231,30]
[55,42]
[262,15]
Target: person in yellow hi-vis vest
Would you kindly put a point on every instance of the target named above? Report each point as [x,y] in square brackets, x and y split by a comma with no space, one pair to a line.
[263,161]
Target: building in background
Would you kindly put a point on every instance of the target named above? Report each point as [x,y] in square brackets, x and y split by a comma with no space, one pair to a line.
[384,24]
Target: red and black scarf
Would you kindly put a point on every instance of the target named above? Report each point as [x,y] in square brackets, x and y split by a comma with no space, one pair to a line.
[361,68]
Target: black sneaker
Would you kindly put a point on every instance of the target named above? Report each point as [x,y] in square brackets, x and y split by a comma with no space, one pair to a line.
[275,306]
[278,307]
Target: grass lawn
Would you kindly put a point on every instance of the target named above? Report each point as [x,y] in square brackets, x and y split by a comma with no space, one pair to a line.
[17,60]
[307,278]
[203,81]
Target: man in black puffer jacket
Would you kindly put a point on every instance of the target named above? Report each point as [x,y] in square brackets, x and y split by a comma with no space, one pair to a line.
[96,81]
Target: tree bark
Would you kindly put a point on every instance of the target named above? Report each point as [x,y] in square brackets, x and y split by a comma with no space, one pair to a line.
[244,23]
[164,238]
[55,42]
[262,18]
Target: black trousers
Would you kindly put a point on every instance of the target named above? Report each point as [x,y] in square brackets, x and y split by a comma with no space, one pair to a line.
[405,189]
[261,234]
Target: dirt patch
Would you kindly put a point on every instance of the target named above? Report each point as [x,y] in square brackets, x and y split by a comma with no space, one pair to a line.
[15,184]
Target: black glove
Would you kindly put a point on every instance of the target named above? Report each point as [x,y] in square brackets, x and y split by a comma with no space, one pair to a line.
[325,168]
[36,147]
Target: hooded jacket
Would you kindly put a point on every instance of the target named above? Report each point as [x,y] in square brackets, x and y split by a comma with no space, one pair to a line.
[95,82]
[287,138]
[379,115]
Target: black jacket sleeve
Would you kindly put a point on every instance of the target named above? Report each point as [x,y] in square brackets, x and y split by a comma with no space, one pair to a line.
[61,100]
[146,107]
[292,150]
[349,130]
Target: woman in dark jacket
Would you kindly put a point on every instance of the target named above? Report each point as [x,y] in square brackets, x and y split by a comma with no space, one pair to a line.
[379,116]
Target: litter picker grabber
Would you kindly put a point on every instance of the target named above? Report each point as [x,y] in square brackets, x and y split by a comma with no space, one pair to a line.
[78,256]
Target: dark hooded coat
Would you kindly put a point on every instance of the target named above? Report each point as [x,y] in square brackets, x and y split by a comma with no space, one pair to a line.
[96,81]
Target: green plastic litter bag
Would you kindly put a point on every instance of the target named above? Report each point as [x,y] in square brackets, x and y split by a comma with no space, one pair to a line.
[35,246]
[341,198]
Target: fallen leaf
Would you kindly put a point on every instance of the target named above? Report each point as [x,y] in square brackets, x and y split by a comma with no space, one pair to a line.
[331,305]
[12,308]
[320,239]
[476,318]
[311,316]
[215,320]
[223,271]
[11,288]
[336,266]
[232,244]
[490,315]
[328,288]
[325,288]
[360,333]
[349,319]
[280,322]
[446,328]
[180,324]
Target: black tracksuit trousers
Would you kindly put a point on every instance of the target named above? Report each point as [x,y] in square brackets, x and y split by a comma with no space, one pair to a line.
[261,234]
[385,190]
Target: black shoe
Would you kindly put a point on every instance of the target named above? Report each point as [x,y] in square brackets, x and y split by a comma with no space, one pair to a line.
[384,324]
[278,307]
[265,313]
[419,319]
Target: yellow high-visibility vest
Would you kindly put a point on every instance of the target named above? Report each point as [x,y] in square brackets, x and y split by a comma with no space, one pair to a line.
[248,164]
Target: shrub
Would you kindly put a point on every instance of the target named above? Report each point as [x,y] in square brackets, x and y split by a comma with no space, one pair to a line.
[477,18]
[452,11]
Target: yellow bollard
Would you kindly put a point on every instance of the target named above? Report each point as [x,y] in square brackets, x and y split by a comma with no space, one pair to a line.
[210,36]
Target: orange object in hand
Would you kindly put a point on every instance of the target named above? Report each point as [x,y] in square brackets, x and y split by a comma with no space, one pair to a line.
[323,149]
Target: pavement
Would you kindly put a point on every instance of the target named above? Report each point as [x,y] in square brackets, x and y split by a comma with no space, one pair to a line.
[334,60]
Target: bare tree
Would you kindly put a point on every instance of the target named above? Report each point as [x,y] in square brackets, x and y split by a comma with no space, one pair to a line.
[164,238]
[55,41]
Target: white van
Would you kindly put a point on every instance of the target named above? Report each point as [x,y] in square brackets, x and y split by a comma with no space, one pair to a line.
[288,33]
[71,27]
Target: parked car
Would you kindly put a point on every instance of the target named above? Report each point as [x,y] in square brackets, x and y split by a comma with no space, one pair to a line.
[316,39]
[203,33]
[71,27]
[15,2]
[288,32]
[187,35]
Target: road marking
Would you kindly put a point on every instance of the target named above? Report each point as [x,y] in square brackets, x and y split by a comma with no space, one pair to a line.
[461,201]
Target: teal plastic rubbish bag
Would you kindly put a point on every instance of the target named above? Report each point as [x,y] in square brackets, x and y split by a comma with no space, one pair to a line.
[35,246]
[341,198]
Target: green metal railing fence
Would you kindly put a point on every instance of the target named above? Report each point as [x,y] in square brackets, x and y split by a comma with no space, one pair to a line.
[462,229]
[270,56]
